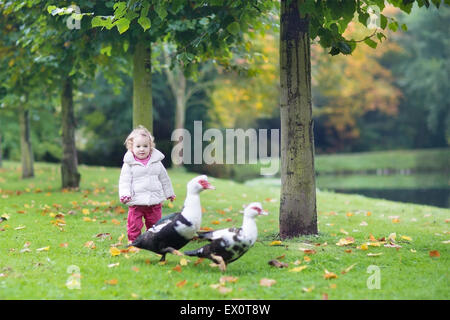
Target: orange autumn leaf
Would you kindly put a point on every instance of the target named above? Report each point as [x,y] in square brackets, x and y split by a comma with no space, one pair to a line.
[215,222]
[112,282]
[267,282]
[115,221]
[206,229]
[181,283]
[435,254]
[177,268]
[329,275]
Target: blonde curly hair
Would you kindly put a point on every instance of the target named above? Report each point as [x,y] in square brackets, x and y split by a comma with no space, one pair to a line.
[142,131]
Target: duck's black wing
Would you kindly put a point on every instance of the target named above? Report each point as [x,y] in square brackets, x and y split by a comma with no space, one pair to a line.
[167,217]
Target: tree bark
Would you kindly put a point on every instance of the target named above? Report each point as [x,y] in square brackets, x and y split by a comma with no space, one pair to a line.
[142,85]
[26,150]
[69,165]
[298,213]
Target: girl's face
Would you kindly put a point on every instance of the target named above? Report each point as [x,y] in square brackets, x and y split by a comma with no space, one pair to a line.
[141,147]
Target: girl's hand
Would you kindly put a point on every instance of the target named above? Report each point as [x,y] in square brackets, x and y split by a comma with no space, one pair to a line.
[172,198]
[125,199]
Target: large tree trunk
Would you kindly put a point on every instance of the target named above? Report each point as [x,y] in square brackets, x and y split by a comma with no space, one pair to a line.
[26,150]
[142,85]
[69,166]
[298,213]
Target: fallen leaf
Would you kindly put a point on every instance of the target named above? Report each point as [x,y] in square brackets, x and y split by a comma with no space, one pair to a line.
[43,249]
[348,268]
[85,211]
[349,214]
[20,228]
[90,245]
[310,289]
[309,251]
[278,264]
[364,246]
[392,245]
[112,282]
[307,259]
[406,238]
[225,279]
[64,245]
[298,269]
[114,251]
[135,269]
[181,284]
[87,219]
[206,229]
[329,275]
[435,254]
[112,265]
[343,231]
[275,243]
[224,290]
[374,254]
[363,224]
[102,235]
[177,268]
[183,262]
[392,237]
[446,242]
[267,282]
[345,242]
[395,220]
[115,221]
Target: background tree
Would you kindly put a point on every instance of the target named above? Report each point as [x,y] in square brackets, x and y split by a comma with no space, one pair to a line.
[300,21]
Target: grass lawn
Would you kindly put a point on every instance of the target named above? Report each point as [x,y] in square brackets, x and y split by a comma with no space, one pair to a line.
[52,241]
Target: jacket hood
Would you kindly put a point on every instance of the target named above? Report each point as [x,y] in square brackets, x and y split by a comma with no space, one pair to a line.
[155,157]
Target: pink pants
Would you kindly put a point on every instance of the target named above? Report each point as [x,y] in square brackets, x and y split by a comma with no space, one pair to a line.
[151,215]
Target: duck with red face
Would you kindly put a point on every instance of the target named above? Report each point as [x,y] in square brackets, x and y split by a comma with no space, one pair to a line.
[228,245]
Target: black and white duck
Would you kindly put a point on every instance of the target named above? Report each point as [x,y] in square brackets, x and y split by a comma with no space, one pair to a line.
[175,230]
[228,245]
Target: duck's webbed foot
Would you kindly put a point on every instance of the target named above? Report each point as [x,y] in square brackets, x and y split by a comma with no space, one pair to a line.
[219,260]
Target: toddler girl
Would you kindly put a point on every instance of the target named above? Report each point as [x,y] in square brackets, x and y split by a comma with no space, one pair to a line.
[144,183]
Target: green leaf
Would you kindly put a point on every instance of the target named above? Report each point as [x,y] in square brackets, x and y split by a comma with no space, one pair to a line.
[98,22]
[344,47]
[144,22]
[50,9]
[393,26]
[161,11]
[334,51]
[106,50]
[383,21]
[122,25]
[404,27]
[234,28]
[370,43]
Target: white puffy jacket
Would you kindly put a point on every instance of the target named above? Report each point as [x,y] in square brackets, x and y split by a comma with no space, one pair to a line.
[146,185]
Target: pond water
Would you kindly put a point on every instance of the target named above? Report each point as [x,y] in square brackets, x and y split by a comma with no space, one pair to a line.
[421,188]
